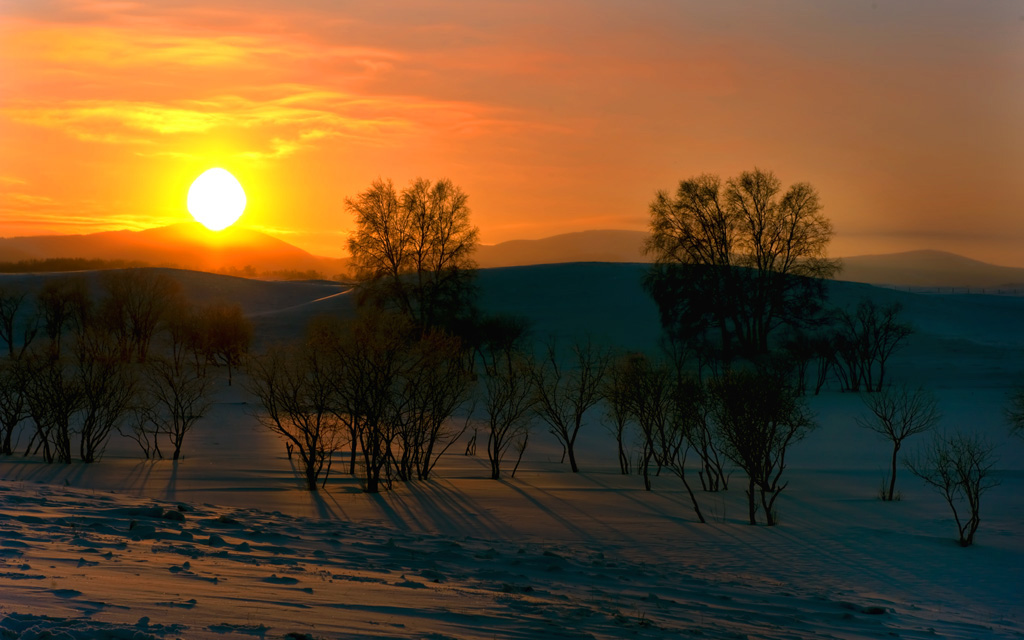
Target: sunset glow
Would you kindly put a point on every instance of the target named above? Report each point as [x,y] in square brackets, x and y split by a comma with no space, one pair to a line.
[216,199]
[552,117]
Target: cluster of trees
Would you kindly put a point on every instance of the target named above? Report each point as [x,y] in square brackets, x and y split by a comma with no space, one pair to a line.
[375,384]
[739,280]
[746,417]
[133,360]
[387,384]
[739,276]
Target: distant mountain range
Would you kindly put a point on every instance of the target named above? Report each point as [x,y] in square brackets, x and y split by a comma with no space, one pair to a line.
[582,246]
[186,245]
[190,246]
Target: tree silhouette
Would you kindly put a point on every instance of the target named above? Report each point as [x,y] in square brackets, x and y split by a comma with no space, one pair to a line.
[226,334]
[959,466]
[565,392]
[296,388]
[896,414]
[865,340]
[758,416]
[13,407]
[107,389]
[64,304]
[509,400]
[412,251]
[740,258]
[11,302]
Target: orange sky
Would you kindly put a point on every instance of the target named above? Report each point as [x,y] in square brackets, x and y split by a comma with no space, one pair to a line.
[554,116]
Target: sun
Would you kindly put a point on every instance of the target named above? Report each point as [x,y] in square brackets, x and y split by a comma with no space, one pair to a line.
[216,199]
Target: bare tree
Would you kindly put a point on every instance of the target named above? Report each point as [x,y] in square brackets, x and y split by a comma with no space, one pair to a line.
[866,339]
[665,410]
[372,356]
[618,393]
[143,426]
[896,414]
[509,399]
[413,251]
[13,407]
[433,385]
[107,390]
[227,334]
[296,387]
[652,407]
[53,395]
[566,393]
[11,302]
[740,258]
[959,466]
[136,302]
[64,304]
[758,416]
[178,394]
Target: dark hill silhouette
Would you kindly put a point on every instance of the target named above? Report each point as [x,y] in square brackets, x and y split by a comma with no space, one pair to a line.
[908,269]
[188,245]
[929,269]
[583,246]
[191,246]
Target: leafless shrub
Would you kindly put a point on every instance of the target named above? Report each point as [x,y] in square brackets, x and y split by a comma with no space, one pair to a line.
[865,340]
[959,466]
[175,395]
[618,393]
[758,416]
[107,389]
[295,385]
[53,396]
[509,399]
[566,392]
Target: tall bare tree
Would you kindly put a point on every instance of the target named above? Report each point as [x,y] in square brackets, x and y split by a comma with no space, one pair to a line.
[432,386]
[740,258]
[53,395]
[566,391]
[896,414]
[959,466]
[618,393]
[413,250]
[107,388]
[372,356]
[12,301]
[509,399]
[13,407]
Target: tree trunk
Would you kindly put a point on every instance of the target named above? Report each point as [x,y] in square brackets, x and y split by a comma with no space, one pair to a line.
[892,471]
[751,503]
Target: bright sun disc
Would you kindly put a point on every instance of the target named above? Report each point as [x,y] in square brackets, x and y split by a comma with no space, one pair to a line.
[216,199]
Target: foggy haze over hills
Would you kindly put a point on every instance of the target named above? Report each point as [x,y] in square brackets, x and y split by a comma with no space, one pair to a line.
[187,245]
